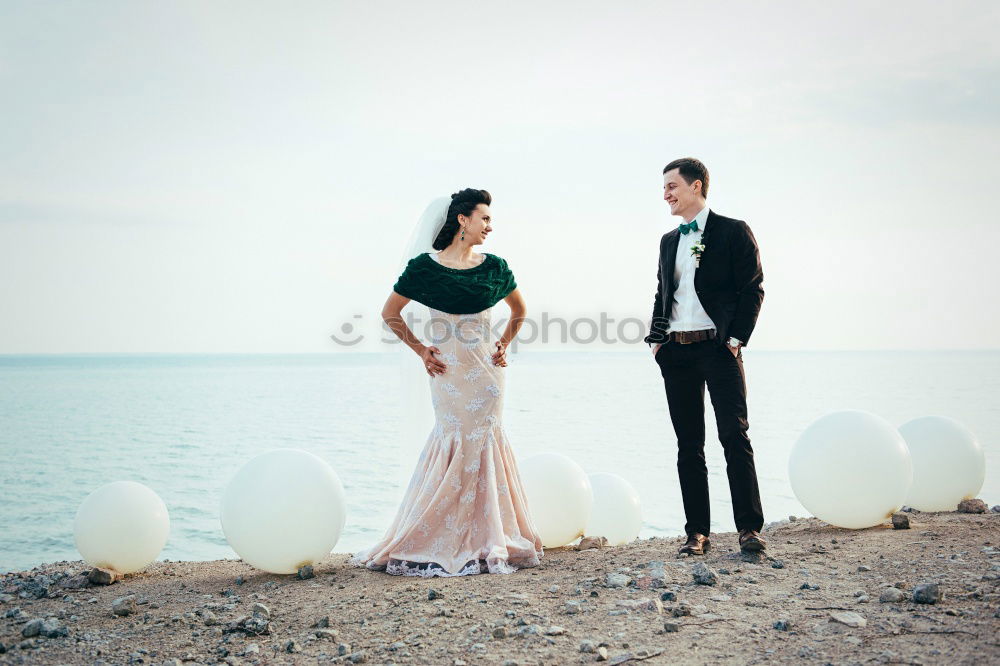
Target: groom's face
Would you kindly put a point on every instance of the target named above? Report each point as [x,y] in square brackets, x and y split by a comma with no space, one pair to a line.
[681,196]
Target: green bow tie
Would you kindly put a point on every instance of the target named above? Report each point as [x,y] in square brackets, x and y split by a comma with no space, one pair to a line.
[693,226]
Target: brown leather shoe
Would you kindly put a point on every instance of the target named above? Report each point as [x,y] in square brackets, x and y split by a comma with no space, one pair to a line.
[751,540]
[697,544]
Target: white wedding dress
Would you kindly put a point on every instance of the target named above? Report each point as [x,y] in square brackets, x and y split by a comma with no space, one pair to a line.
[465,509]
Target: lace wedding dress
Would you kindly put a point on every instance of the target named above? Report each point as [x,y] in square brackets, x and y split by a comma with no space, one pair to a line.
[465,509]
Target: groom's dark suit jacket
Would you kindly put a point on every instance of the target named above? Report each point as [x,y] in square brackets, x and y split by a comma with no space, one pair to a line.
[727,281]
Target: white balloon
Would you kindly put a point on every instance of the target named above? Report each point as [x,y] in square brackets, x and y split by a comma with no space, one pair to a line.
[121,526]
[948,463]
[284,509]
[559,497]
[851,469]
[617,511]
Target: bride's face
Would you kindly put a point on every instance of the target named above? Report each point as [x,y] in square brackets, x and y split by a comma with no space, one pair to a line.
[477,225]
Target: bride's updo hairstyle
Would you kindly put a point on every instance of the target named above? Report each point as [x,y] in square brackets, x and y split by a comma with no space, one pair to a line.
[462,203]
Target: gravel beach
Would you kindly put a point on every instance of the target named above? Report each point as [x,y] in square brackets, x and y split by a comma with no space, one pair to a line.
[928,593]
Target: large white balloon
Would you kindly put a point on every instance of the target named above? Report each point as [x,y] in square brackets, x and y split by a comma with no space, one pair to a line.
[559,497]
[948,463]
[121,526]
[617,512]
[851,469]
[284,509]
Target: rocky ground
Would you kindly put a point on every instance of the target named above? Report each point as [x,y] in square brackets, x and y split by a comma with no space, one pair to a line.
[928,594]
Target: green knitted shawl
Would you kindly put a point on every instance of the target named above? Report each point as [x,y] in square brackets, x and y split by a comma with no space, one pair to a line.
[456,290]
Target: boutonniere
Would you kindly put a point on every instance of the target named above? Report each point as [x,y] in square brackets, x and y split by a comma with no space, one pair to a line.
[696,251]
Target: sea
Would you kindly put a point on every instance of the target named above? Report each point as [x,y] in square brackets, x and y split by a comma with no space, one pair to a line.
[183,424]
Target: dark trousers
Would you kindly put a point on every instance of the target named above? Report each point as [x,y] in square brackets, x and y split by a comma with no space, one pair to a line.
[686,370]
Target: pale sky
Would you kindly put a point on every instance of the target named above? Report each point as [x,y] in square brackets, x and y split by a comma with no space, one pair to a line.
[243,176]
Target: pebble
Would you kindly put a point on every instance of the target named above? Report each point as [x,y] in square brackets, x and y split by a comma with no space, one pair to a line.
[972,506]
[644,604]
[703,575]
[123,606]
[602,654]
[850,618]
[499,632]
[782,625]
[260,609]
[433,594]
[322,623]
[99,576]
[671,627]
[592,542]
[329,634]
[306,572]
[573,607]
[588,646]
[251,649]
[358,657]
[995,508]
[927,593]
[668,596]
[616,580]
[900,521]
[50,628]
[555,631]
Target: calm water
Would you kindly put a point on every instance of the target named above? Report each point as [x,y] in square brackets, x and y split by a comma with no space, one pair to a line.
[183,424]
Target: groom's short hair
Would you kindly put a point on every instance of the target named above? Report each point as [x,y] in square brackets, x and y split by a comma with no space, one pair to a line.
[691,170]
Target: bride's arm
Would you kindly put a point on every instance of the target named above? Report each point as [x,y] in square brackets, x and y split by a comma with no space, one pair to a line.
[518,313]
[392,316]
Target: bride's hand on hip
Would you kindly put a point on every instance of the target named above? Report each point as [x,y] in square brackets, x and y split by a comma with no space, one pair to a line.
[432,365]
[500,355]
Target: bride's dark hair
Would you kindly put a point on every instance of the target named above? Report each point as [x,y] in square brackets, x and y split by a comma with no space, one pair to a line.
[462,203]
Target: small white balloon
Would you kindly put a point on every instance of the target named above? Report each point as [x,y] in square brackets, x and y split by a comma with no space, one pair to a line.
[851,469]
[948,463]
[121,526]
[284,509]
[617,511]
[559,497]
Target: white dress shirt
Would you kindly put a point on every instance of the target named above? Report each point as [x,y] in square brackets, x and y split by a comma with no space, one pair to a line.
[686,312]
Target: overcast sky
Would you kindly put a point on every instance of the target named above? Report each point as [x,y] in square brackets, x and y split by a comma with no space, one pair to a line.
[243,177]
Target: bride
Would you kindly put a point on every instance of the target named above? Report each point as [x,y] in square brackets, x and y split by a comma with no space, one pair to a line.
[465,510]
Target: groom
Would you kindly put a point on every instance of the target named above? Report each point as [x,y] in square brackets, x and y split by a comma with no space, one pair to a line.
[708,296]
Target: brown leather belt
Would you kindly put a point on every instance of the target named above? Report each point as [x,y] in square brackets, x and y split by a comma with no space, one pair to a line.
[687,337]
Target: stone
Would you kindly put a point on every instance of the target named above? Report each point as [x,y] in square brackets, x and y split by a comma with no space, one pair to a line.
[499,633]
[555,631]
[433,594]
[616,580]
[602,653]
[328,634]
[644,604]
[927,593]
[573,607]
[972,506]
[782,625]
[591,542]
[703,575]
[322,623]
[995,508]
[306,572]
[124,606]
[260,609]
[32,628]
[588,646]
[292,647]
[100,576]
[251,650]
[900,521]
[671,627]
[850,618]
